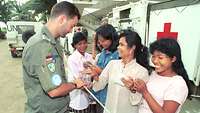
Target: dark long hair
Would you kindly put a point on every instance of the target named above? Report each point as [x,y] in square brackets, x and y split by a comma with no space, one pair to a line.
[171,48]
[97,45]
[141,52]
[108,32]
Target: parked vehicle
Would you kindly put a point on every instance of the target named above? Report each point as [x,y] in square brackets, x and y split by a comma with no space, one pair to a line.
[14,35]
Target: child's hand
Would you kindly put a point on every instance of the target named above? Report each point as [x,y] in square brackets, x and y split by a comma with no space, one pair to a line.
[96,69]
[89,65]
[92,71]
[89,85]
[89,72]
[128,82]
[139,86]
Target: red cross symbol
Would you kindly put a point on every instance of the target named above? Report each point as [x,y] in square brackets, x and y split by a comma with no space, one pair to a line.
[167,33]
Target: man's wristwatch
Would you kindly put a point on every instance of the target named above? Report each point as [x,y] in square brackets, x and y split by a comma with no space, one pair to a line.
[74,85]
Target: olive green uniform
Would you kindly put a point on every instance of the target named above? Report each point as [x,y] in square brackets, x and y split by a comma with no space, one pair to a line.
[43,71]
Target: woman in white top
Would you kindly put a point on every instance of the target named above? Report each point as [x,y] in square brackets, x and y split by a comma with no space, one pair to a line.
[166,90]
[78,98]
[133,62]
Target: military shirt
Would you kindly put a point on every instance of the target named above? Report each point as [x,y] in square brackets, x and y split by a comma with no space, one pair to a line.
[43,71]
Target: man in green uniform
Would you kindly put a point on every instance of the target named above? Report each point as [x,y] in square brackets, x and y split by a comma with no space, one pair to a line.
[44,77]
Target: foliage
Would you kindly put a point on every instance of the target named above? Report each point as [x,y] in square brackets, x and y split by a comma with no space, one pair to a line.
[40,7]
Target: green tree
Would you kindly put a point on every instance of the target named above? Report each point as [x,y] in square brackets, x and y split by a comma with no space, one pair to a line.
[11,10]
[20,13]
[42,7]
[5,10]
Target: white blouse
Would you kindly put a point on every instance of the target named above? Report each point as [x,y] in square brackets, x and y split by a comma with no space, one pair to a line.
[78,98]
[165,88]
[119,98]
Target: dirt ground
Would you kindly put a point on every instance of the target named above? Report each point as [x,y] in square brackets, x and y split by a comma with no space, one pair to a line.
[12,97]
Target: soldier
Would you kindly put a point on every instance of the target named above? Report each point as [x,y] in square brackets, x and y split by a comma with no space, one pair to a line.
[45,84]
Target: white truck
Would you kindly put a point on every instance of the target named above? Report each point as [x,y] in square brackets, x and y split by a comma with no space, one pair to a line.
[14,35]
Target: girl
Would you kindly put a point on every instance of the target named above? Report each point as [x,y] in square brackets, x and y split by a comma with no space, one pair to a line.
[107,40]
[78,99]
[167,89]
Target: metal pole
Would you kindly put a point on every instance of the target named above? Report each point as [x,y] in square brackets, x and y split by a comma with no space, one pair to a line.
[96,99]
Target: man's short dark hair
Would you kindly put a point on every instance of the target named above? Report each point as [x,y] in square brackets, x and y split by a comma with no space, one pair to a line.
[66,8]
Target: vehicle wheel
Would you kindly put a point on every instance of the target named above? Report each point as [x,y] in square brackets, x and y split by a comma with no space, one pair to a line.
[14,55]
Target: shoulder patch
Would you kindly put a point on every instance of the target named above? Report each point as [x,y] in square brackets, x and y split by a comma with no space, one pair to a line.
[51,67]
[56,79]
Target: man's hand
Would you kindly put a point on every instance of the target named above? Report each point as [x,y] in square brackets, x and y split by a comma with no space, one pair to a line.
[79,83]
